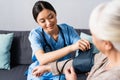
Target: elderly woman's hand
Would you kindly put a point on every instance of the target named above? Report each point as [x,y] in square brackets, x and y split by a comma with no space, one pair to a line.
[70,74]
[40,70]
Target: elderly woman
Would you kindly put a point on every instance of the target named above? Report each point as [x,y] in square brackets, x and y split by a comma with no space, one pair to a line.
[105,28]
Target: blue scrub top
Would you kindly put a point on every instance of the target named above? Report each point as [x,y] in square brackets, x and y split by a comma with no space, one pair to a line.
[67,35]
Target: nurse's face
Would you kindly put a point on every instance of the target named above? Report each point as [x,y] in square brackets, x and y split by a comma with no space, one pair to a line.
[47,20]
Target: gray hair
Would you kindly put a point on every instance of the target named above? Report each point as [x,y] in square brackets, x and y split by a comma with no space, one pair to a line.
[105,22]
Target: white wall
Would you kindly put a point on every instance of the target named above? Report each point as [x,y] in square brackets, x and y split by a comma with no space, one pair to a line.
[17,14]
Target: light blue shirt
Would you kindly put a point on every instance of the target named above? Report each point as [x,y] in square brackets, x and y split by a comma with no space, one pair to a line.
[67,36]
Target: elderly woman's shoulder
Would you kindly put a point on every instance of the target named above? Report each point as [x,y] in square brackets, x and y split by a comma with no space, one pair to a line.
[99,57]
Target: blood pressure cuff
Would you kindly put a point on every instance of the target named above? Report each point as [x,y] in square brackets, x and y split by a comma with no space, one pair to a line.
[84,61]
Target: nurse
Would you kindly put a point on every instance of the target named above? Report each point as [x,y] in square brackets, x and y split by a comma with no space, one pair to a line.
[51,41]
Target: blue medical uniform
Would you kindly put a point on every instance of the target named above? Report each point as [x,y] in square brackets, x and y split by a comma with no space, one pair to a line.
[39,39]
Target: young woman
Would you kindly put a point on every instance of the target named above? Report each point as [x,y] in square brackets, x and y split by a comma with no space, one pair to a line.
[51,41]
[105,28]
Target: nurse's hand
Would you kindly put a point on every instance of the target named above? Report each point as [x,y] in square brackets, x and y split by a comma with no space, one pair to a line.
[40,70]
[81,44]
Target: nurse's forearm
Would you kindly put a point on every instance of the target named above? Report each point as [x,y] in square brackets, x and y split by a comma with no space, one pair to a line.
[52,56]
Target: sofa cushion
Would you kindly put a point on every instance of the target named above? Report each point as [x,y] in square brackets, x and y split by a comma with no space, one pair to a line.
[21,51]
[5,45]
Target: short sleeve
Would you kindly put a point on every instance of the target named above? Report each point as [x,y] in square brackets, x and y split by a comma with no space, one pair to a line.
[36,41]
[74,36]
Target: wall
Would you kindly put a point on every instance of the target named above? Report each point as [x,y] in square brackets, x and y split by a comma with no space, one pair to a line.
[17,14]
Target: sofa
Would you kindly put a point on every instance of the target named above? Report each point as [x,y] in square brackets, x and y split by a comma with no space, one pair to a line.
[20,57]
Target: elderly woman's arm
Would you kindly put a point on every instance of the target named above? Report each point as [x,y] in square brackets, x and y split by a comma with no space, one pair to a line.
[53,67]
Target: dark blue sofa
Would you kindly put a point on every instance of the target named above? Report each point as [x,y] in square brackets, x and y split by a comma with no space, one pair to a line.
[21,56]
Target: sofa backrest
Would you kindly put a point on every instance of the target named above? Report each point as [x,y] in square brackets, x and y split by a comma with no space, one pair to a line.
[21,51]
[83,30]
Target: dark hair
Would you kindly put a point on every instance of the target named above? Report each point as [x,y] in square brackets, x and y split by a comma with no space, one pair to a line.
[39,6]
